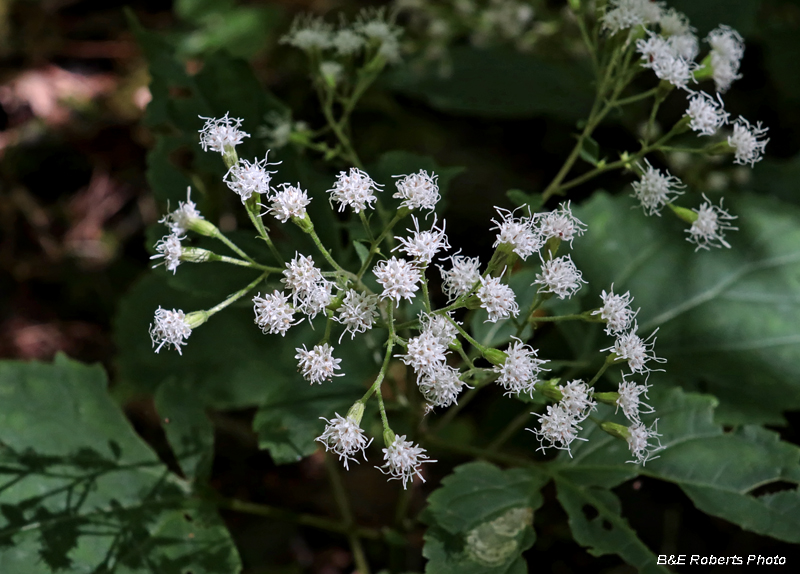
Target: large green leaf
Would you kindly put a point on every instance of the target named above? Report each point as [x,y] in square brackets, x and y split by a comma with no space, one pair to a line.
[480,520]
[80,490]
[500,82]
[729,320]
[718,470]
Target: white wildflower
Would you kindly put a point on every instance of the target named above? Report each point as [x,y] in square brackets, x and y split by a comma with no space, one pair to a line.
[674,23]
[637,351]
[169,247]
[461,277]
[373,24]
[318,364]
[247,178]
[616,311]
[423,245]
[662,56]
[279,128]
[358,312]
[441,386]
[559,276]
[629,400]
[273,313]
[290,201]
[707,114]
[560,223]
[440,325]
[576,397]
[346,42]
[520,371]
[624,14]
[745,141]
[498,299]
[727,50]
[354,188]
[311,292]
[418,190]
[639,442]
[403,460]
[708,230]
[425,353]
[181,219]
[558,427]
[655,189]
[344,437]
[309,33]
[221,133]
[331,71]
[398,277]
[169,328]
[518,232]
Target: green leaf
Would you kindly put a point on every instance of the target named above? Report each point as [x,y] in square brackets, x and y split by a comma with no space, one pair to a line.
[718,470]
[82,493]
[590,151]
[500,82]
[480,520]
[729,320]
[361,250]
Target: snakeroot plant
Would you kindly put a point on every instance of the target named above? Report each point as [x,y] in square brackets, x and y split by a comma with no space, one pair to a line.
[325,299]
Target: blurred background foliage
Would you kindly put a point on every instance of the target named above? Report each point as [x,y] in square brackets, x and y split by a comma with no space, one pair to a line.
[98,132]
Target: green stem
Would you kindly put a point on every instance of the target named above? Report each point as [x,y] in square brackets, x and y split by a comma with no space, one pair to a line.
[385,366]
[296,517]
[251,264]
[237,295]
[343,502]
[609,361]
[425,298]
[255,218]
[464,334]
[326,254]
[233,247]
[376,244]
[636,98]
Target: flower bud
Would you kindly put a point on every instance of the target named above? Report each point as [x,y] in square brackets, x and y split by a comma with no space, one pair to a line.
[203,227]
[495,356]
[196,255]
[388,437]
[686,215]
[607,398]
[356,412]
[549,389]
[196,318]
[303,223]
[615,430]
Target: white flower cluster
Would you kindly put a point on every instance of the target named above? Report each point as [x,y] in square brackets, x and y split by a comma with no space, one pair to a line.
[671,58]
[246,178]
[318,364]
[273,312]
[355,189]
[616,311]
[371,34]
[422,246]
[169,329]
[221,134]
[520,371]
[708,230]
[624,14]
[344,437]
[561,423]
[418,190]
[403,460]
[655,189]
[311,292]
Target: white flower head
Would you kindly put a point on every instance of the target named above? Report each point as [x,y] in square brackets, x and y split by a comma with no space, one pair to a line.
[441,386]
[440,326]
[398,277]
[418,190]
[629,400]
[318,364]
[746,142]
[346,42]
[686,46]
[560,277]
[289,201]
[422,246]
[403,460]
[331,71]
[309,33]
[708,230]
[179,220]
[169,247]
[674,23]
[220,133]
[247,178]
[727,51]
[576,398]
[639,442]
[354,188]
[311,292]
[655,189]
[667,58]
[461,277]
[517,232]
[558,428]
[381,31]
[624,14]
[520,371]
[707,114]
[169,328]
[278,129]
[273,313]
[357,313]
[425,353]
[560,223]
[344,437]
[637,351]
[498,299]
[616,311]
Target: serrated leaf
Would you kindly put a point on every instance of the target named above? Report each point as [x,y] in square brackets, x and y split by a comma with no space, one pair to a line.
[500,82]
[480,520]
[728,319]
[81,491]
